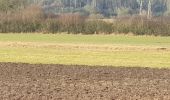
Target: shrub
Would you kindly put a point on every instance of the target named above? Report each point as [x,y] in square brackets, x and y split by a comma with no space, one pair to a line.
[27,20]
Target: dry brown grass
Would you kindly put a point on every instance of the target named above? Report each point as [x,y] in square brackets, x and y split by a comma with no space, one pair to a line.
[107,47]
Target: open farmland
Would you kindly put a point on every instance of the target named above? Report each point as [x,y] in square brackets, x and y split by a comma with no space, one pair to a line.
[84,49]
[84,67]
[129,51]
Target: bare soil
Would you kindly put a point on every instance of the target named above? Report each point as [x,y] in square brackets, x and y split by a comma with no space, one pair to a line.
[20,81]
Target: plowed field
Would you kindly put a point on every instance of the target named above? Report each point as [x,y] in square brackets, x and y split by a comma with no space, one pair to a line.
[71,82]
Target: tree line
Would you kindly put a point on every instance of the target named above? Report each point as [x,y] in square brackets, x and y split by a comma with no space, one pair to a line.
[25,16]
[106,8]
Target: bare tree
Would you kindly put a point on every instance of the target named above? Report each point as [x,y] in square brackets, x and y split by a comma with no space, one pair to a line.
[75,3]
[141,7]
[94,3]
[149,15]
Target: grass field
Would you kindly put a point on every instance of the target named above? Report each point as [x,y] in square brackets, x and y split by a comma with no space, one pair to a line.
[114,50]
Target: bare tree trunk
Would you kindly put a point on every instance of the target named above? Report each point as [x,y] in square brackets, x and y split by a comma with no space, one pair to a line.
[141,6]
[80,4]
[75,3]
[94,3]
[149,10]
[70,3]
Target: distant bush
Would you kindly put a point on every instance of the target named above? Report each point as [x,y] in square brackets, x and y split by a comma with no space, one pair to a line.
[143,26]
[27,20]
[51,26]
[71,23]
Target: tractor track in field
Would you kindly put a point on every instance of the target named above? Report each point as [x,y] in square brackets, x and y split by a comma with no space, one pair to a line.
[19,81]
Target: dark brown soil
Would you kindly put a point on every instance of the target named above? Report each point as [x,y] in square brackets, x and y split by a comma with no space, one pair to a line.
[70,82]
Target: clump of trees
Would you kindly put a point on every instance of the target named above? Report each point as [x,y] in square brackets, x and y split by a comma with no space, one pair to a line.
[25,17]
[107,8]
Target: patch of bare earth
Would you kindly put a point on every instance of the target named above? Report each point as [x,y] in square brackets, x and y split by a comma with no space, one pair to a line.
[104,47]
[71,82]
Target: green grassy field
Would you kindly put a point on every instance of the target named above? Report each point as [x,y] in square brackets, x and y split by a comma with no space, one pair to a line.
[115,50]
[87,39]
